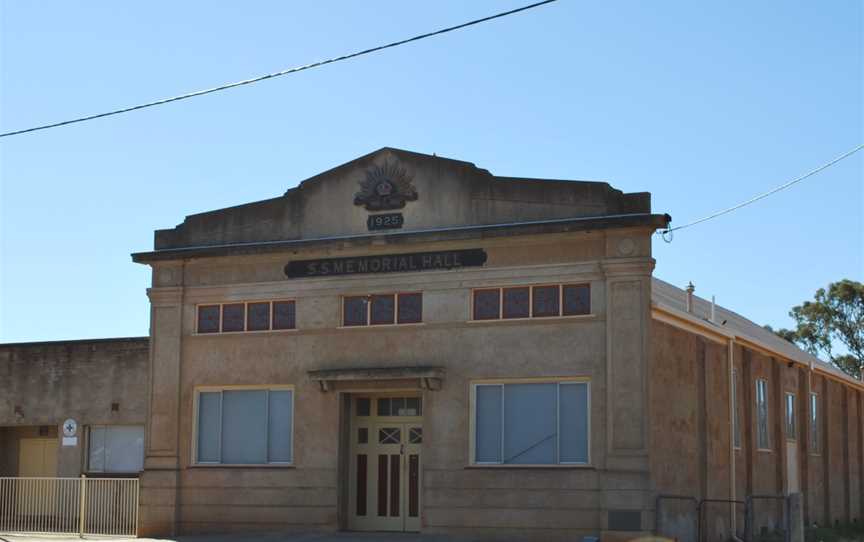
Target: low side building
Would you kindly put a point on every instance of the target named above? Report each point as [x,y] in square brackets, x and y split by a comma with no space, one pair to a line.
[99,384]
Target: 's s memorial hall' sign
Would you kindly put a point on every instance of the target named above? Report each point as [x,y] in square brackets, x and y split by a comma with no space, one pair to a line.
[389,263]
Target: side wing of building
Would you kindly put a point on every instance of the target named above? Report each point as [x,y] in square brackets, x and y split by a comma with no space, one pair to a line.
[738,412]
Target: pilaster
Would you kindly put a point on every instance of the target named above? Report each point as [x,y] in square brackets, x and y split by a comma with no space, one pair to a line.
[159,481]
[627,485]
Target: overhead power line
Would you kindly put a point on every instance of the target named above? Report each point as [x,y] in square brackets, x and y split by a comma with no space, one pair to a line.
[764,195]
[279,73]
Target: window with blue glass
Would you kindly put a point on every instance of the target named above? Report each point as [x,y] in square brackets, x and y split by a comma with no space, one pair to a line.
[532,423]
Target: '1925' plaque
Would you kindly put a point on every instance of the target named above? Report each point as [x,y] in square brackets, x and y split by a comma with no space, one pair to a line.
[387,221]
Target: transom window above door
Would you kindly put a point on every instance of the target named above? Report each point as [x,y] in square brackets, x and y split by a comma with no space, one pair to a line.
[388,406]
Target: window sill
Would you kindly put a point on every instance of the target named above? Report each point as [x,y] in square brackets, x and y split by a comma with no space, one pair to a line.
[534,319]
[242,466]
[234,333]
[532,467]
[385,326]
[764,450]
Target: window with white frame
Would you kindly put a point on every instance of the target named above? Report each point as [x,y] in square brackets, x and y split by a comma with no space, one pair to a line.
[815,430]
[115,448]
[763,441]
[791,417]
[245,426]
[246,316]
[541,301]
[531,423]
[736,421]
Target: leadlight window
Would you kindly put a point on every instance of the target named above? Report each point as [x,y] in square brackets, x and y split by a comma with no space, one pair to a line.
[258,316]
[382,309]
[791,417]
[246,316]
[284,315]
[815,429]
[763,441]
[536,423]
[532,301]
[233,317]
[517,303]
[208,318]
[245,427]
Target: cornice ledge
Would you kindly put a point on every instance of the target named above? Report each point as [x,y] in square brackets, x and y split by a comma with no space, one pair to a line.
[165,295]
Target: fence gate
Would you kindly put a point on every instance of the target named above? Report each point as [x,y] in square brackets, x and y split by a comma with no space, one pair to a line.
[78,506]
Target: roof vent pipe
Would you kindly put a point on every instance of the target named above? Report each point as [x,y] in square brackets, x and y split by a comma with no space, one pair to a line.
[713,310]
[690,290]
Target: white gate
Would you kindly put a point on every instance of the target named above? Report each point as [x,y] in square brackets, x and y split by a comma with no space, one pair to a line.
[82,506]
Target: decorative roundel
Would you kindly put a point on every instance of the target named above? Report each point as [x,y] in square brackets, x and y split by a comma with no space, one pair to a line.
[70,428]
[626,246]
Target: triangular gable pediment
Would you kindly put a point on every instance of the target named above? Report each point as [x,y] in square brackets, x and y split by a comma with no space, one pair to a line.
[417,191]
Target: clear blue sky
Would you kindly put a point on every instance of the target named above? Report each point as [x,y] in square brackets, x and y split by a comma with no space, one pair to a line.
[702,104]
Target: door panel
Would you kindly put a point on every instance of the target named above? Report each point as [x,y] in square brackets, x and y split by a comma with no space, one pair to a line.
[37,457]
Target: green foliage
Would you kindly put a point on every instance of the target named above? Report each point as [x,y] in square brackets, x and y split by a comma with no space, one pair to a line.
[835,315]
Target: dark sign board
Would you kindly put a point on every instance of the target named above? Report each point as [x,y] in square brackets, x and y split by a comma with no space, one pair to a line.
[387,221]
[389,263]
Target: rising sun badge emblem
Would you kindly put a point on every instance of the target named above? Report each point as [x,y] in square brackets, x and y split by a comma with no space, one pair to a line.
[385,187]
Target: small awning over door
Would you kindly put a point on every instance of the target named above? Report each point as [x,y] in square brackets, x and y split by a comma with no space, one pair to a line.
[425,377]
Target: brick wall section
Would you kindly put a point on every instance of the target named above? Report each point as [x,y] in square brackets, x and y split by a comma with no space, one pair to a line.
[691,432]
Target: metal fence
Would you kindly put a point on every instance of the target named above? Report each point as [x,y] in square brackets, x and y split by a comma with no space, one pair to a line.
[82,506]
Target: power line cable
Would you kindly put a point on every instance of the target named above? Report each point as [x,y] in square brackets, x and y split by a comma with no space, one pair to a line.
[279,73]
[764,195]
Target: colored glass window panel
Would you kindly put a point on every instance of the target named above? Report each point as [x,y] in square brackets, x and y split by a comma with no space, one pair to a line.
[363,404]
[487,304]
[354,311]
[258,316]
[516,302]
[208,319]
[545,301]
[284,315]
[410,308]
[577,299]
[383,309]
[234,317]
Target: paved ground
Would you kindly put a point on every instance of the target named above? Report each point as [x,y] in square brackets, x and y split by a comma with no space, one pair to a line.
[307,537]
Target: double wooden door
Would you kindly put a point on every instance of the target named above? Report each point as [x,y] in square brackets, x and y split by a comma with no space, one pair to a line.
[385,473]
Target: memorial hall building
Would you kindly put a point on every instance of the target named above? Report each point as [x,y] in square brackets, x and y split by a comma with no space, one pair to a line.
[410,343]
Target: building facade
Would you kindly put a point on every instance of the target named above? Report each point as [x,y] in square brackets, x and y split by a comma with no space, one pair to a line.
[409,343]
